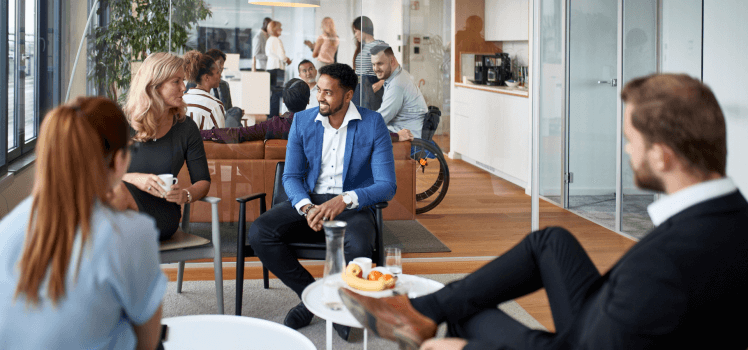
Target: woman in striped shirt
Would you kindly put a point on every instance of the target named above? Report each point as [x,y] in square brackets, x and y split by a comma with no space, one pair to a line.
[205,109]
[368,93]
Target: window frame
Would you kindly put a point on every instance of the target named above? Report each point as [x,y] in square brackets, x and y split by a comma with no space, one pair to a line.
[42,81]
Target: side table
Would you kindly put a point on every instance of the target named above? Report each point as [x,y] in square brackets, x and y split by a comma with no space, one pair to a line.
[312,296]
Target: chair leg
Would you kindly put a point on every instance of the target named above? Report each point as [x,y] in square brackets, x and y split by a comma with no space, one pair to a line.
[265,277]
[219,282]
[180,276]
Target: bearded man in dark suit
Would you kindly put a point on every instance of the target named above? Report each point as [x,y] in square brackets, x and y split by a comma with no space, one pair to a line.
[683,286]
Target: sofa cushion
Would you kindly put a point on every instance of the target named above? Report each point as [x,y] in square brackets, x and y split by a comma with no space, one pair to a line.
[244,150]
[275,149]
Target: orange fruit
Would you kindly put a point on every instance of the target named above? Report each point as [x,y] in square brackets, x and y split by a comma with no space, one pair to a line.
[374,275]
[387,277]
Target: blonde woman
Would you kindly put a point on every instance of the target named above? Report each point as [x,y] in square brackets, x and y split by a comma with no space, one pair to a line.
[276,65]
[166,139]
[77,274]
[327,43]
[206,110]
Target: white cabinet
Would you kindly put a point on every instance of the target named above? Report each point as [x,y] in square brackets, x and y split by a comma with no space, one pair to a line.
[506,20]
[494,130]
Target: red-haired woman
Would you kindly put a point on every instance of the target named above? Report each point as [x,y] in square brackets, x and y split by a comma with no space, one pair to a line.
[74,272]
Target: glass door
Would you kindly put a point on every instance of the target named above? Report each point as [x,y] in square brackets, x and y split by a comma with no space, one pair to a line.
[425,54]
[592,116]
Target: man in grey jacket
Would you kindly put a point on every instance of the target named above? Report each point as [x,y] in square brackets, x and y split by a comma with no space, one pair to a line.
[403,106]
[258,51]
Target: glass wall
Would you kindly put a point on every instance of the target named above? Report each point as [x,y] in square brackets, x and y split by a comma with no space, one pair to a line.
[552,99]
[639,59]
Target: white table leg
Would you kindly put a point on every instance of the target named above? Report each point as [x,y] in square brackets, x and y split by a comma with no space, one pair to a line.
[328,327]
[365,338]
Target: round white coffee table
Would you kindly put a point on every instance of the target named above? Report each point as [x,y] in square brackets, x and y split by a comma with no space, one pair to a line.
[312,296]
[230,332]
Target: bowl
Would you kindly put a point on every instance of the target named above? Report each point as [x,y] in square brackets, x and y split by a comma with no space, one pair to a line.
[512,83]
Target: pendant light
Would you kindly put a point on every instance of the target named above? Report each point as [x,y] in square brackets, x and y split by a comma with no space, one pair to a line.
[287,3]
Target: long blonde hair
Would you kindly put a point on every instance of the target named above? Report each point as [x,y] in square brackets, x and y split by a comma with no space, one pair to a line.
[74,152]
[144,104]
[330,32]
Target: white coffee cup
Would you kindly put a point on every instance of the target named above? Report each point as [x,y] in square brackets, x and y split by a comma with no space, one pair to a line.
[365,264]
[168,180]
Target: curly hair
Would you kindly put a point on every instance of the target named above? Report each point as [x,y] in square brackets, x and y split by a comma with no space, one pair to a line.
[343,73]
[144,104]
[196,65]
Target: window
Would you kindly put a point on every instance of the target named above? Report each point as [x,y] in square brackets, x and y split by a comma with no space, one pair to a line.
[29,79]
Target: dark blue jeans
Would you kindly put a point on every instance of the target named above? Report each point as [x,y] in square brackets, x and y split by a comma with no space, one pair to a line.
[364,96]
[271,232]
[277,77]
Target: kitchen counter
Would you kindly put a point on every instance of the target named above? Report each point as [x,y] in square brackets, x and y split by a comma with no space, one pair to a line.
[518,91]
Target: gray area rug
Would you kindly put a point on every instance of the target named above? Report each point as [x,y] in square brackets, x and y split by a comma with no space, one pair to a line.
[409,235]
[198,298]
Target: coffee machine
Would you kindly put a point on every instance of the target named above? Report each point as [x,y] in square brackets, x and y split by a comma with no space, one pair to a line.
[497,69]
[492,69]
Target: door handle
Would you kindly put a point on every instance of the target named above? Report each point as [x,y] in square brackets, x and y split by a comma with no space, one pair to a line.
[613,82]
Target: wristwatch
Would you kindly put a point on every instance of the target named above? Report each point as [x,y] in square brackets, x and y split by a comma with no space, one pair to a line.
[348,200]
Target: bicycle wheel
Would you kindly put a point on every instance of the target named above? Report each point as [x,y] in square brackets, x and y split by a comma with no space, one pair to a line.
[432,174]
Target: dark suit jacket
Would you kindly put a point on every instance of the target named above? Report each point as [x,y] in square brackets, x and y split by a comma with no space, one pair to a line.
[683,286]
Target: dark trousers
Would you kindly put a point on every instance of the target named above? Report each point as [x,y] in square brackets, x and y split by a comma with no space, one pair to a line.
[272,231]
[277,77]
[234,117]
[364,95]
[551,258]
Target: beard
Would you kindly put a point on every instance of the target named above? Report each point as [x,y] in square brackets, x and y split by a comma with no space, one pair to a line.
[645,179]
[330,109]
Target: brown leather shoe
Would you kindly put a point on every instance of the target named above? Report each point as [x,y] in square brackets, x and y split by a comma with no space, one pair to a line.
[392,318]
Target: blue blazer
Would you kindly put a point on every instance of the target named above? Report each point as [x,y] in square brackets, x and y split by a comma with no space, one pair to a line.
[368,165]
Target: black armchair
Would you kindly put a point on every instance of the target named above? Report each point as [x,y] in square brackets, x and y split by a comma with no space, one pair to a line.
[314,250]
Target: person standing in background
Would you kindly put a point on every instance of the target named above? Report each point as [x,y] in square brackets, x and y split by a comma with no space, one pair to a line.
[327,43]
[308,73]
[276,65]
[369,85]
[258,52]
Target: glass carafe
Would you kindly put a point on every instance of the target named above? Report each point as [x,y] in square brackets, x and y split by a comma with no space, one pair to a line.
[334,263]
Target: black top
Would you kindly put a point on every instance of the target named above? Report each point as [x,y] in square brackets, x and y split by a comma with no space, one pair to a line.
[168,154]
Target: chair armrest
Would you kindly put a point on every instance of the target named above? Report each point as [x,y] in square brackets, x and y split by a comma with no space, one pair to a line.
[381,205]
[211,200]
[250,197]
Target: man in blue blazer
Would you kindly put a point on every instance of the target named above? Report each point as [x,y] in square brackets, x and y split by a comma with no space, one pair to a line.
[683,286]
[339,161]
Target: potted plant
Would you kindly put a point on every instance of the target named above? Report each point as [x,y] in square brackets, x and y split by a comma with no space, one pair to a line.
[135,29]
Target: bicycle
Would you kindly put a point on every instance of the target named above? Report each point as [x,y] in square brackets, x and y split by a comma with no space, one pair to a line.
[432,172]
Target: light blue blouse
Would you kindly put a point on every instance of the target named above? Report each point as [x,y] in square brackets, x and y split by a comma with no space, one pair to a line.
[119,284]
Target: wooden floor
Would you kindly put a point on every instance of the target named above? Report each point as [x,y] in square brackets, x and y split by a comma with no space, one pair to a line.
[483,216]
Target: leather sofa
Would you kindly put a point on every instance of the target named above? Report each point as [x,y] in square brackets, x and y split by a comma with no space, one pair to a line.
[249,167]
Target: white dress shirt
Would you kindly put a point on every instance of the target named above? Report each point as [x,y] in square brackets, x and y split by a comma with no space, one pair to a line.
[669,205]
[276,54]
[330,178]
